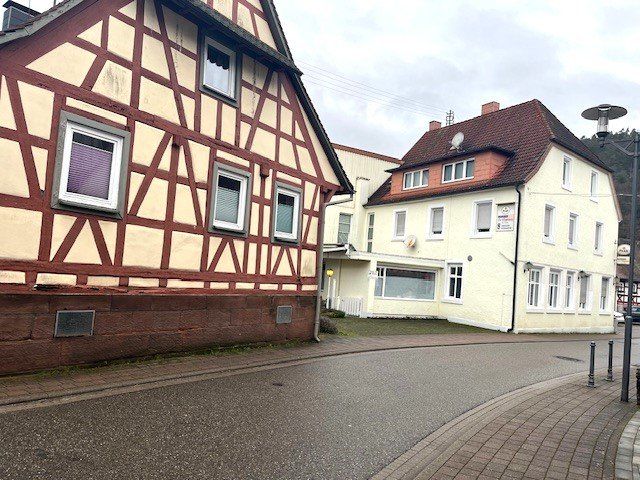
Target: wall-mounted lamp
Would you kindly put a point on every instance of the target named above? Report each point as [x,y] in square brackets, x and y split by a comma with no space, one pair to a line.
[528,266]
[582,274]
[330,273]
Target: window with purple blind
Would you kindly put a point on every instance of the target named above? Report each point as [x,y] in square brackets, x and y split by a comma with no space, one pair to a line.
[90,166]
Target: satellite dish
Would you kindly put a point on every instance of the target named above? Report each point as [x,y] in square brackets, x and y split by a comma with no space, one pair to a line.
[457,141]
[411,241]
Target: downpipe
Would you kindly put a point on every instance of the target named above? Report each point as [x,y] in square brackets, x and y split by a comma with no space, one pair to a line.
[316,327]
[515,263]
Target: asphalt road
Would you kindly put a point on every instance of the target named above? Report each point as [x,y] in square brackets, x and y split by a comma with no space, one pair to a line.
[338,418]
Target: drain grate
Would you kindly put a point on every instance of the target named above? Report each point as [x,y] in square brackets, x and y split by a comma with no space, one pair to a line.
[569,359]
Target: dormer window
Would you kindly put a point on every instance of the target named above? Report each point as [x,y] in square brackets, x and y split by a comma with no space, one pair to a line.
[454,172]
[417,179]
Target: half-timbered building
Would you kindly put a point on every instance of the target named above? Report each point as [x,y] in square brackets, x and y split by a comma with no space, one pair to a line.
[163,181]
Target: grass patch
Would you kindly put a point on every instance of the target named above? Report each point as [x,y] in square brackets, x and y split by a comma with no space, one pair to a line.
[374,327]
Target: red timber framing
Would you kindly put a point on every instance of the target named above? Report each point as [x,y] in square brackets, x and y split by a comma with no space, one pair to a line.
[266,132]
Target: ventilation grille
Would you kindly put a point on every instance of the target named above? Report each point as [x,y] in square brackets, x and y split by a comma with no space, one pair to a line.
[74,323]
[285,314]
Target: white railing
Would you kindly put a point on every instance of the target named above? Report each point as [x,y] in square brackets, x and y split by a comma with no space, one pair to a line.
[350,306]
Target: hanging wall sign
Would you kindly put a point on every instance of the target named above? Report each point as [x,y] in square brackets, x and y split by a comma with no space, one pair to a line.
[506,217]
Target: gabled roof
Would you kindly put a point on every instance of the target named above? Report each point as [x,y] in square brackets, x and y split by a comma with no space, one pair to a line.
[367,153]
[281,57]
[525,130]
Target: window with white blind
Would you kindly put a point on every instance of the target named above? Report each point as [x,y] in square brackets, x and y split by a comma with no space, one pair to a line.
[417,179]
[569,288]
[398,284]
[219,69]
[597,243]
[584,300]
[90,170]
[554,289]
[604,294]
[453,285]
[594,186]
[436,223]
[566,173]
[549,226]
[286,219]
[370,225]
[533,294]
[463,170]
[344,228]
[399,224]
[230,199]
[483,218]
[573,230]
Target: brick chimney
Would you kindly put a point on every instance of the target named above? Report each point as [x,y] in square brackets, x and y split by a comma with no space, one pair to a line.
[434,125]
[490,107]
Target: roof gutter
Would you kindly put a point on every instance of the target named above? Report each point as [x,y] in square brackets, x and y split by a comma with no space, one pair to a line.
[515,262]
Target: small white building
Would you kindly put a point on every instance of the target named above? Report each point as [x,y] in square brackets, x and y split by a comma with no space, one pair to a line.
[512,226]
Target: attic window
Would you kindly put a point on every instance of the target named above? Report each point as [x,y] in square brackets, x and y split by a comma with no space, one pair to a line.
[416,179]
[463,170]
[219,69]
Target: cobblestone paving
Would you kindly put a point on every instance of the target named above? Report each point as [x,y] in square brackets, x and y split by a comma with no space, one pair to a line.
[559,429]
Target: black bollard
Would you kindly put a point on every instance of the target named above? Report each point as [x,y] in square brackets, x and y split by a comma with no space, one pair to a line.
[592,366]
[610,369]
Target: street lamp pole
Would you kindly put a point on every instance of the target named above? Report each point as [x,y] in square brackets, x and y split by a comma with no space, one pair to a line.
[628,321]
[602,114]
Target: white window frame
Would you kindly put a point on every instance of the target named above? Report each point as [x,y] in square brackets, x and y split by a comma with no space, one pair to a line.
[589,305]
[594,186]
[341,215]
[395,236]
[240,225]
[598,238]
[573,245]
[411,175]
[446,297]
[453,171]
[607,296]
[551,239]
[289,237]
[558,290]
[474,219]
[109,204]
[384,269]
[566,182]
[570,291]
[233,61]
[371,221]
[538,305]
[430,234]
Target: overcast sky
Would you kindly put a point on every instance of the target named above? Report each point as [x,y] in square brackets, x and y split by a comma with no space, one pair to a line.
[458,54]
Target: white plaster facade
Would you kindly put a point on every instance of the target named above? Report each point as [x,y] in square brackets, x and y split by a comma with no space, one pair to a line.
[487,260]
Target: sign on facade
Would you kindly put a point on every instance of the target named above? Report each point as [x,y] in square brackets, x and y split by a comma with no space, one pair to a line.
[506,217]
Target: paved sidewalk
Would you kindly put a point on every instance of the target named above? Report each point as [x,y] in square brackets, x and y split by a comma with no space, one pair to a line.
[628,456]
[149,374]
[559,429]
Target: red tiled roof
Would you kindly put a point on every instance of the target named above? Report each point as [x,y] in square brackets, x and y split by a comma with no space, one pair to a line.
[367,153]
[526,129]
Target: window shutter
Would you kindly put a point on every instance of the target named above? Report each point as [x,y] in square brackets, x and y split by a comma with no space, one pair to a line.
[437,221]
[484,217]
[228,200]
[89,170]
